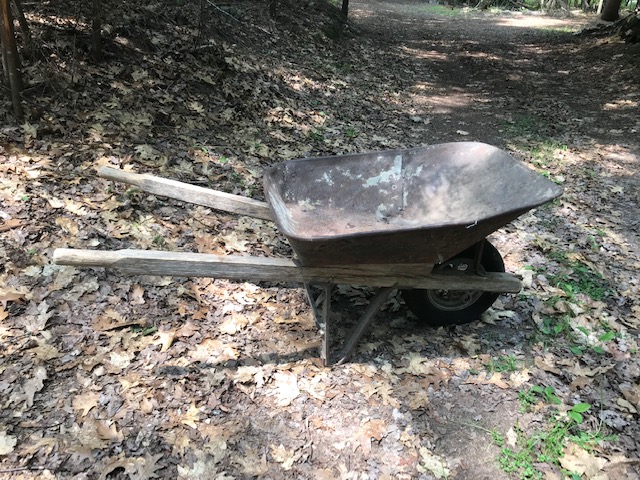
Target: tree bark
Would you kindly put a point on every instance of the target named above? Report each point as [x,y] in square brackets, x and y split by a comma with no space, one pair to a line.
[11,59]
[96,31]
[24,25]
[610,12]
[345,8]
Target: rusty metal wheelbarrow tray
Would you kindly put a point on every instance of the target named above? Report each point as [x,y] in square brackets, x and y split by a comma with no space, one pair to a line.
[421,205]
[381,219]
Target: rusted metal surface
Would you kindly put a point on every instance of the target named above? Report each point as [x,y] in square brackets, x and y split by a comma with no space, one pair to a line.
[421,205]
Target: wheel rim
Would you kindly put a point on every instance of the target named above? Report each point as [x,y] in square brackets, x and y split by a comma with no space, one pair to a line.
[454,300]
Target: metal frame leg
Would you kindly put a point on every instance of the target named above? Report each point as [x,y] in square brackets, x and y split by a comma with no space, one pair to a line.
[363,324]
[477,261]
[326,338]
[321,307]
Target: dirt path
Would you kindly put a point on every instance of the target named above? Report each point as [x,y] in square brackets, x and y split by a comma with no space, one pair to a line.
[109,376]
[504,79]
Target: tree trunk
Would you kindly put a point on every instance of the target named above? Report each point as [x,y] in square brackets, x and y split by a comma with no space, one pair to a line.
[24,25]
[345,8]
[96,31]
[610,11]
[11,59]
[630,28]
[5,65]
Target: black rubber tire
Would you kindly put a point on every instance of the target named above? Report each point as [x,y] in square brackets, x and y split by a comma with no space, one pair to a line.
[440,308]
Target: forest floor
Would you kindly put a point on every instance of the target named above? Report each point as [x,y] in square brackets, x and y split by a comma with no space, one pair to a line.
[109,376]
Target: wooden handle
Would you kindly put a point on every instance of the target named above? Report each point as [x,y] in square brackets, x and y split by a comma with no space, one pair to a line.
[185,264]
[190,193]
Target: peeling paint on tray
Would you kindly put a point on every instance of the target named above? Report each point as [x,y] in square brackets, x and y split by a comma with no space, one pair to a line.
[387,175]
[307,204]
[381,214]
[326,178]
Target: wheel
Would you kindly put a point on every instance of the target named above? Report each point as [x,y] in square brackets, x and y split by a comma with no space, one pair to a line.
[438,308]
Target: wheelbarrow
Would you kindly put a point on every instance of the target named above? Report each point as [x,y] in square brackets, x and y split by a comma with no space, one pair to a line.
[414,220]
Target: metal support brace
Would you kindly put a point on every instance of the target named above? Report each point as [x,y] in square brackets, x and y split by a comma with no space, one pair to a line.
[315,304]
[363,324]
[321,307]
[477,260]
[326,338]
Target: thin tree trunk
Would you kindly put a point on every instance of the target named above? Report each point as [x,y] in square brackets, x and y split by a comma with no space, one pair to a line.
[24,25]
[610,13]
[5,65]
[345,8]
[96,31]
[12,61]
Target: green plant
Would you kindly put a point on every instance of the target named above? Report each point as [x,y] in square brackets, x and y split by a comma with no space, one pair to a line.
[236,178]
[557,30]
[504,363]
[316,134]
[444,11]
[580,279]
[577,277]
[607,336]
[576,412]
[351,132]
[526,126]
[577,349]
[547,445]
[497,438]
[144,330]
[159,241]
[536,393]
[543,154]
[555,326]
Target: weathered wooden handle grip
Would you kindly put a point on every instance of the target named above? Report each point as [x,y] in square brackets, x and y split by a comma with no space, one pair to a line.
[190,193]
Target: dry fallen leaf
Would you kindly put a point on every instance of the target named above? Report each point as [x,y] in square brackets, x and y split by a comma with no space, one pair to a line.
[7,442]
[108,431]
[284,456]
[252,463]
[85,402]
[495,379]
[68,225]
[234,324]
[434,464]
[34,385]
[547,364]
[191,417]
[419,365]
[631,393]
[371,429]
[286,388]
[137,468]
[136,297]
[48,443]
[44,352]
[166,339]
[577,460]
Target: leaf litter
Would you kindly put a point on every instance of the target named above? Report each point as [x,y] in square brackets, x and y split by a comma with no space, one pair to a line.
[108,376]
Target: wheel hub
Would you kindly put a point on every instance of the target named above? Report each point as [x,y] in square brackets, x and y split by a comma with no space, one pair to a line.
[453,300]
